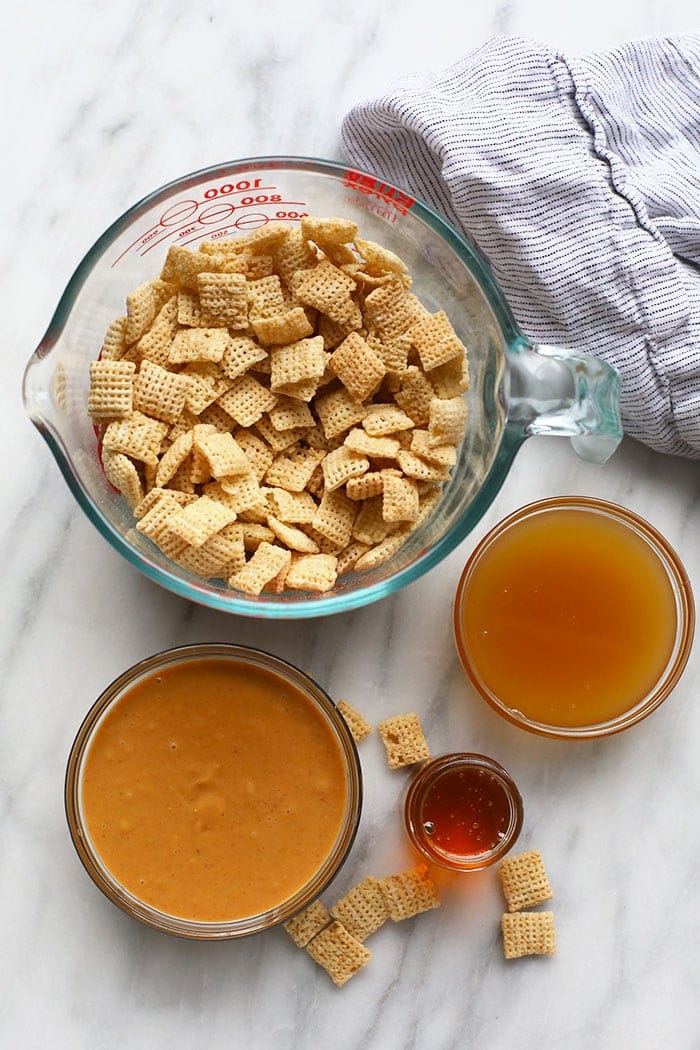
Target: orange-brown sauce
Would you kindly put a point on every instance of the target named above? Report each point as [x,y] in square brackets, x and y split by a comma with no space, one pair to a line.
[213,790]
[568,617]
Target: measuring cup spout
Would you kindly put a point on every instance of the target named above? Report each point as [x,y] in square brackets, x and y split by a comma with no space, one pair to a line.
[559,392]
[40,387]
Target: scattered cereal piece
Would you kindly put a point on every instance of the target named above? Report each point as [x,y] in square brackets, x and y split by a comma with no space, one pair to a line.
[189,312]
[154,344]
[289,414]
[416,467]
[339,953]
[152,522]
[363,910]
[525,881]
[528,933]
[409,893]
[379,260]
[256,451]
[404,740]
[437,455]
[244,493]
[450,379]
[254,535]
[304,926]
[415,394]
[149,501]
[278,440]
[358,726]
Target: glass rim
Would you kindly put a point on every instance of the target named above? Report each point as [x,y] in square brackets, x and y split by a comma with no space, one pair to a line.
[423,779]
[268,606]
[684,604]
[89,856]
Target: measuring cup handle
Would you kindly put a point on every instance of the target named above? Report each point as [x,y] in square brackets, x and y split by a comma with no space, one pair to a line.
[563,393]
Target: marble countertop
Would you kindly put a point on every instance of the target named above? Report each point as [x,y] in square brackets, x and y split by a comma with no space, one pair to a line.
[104,102]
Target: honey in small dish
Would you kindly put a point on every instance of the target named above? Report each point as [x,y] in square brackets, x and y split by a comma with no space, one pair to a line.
[569,614]
[463,811]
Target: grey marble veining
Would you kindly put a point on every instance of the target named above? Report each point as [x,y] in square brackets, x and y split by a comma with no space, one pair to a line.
[104,102]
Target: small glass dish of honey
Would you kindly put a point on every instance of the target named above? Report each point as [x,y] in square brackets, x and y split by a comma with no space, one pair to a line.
[463,811]
[574,618]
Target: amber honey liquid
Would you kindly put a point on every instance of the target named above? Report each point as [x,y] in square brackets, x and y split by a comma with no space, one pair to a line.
[465,812]
[568,617]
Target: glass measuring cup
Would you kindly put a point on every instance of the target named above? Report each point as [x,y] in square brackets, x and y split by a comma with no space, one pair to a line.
[517,388]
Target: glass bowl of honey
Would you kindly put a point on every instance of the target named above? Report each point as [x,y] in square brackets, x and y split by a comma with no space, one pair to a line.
[574,618]
[213,791]
[463,811]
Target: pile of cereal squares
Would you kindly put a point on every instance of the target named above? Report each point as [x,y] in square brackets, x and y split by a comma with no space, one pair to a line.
[280,409]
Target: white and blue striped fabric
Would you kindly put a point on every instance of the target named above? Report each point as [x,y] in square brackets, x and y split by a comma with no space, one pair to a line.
[579,179]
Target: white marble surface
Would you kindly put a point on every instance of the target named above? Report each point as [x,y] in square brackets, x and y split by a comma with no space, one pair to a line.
[104,102]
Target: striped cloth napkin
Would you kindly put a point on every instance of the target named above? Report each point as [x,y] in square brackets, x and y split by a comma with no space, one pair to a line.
[579,179]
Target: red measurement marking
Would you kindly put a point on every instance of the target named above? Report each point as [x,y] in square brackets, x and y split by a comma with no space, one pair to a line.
[141,237]
[220,230]
[383,191]
[216,212]
[179,212]
[169,234]
[183,210]
[247,221]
